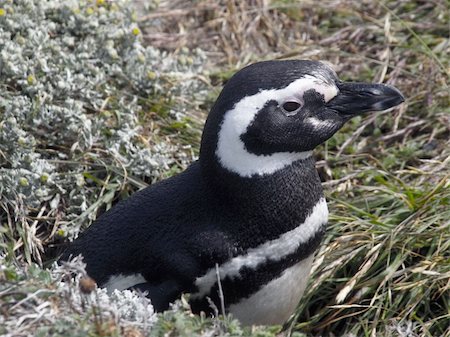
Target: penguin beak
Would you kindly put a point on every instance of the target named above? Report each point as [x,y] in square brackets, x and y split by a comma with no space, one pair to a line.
[356,98]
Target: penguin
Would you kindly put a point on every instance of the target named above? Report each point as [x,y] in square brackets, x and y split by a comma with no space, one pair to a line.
[239,227]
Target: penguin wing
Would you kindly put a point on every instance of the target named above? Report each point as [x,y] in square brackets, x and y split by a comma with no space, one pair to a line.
[161,294]
[161,234]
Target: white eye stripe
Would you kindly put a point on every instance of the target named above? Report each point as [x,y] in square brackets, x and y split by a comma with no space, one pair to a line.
[319,124]
[231,151]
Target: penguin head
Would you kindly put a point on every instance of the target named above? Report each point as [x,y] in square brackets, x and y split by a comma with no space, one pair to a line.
[272,113]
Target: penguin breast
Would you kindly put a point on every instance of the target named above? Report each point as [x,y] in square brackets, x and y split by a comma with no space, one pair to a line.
[276,301]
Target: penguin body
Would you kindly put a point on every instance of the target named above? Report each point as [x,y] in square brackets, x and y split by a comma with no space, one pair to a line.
[249,212]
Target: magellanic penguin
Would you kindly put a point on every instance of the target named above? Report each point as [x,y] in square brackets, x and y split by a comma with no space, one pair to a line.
[250,211]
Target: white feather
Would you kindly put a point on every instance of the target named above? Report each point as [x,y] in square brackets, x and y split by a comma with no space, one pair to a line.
[122,282]
[277,300]
[274,250]
[318,124]
[231,150]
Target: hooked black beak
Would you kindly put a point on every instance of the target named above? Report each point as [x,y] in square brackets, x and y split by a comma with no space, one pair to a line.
[357,98]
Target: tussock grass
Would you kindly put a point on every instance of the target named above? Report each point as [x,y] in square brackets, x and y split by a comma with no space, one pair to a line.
[385,262]
[384,267]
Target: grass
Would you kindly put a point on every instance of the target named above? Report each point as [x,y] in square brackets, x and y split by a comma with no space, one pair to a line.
[384,266]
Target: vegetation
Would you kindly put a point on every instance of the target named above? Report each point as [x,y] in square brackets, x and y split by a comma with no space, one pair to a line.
[99,99]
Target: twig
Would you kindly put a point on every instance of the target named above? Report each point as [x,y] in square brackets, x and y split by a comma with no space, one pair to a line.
[402,131]
[221,297]
[355,135]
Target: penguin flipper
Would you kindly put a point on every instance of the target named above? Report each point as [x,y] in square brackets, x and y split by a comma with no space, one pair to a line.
[160,294]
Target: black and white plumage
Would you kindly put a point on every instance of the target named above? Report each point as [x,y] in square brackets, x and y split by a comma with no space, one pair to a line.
[252,204]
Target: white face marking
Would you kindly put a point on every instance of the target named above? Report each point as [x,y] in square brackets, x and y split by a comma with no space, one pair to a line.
[122,282]
[277,300]
[318,124]
[231,150]
[274,250]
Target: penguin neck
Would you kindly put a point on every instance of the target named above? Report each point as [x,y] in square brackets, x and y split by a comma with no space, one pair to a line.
[272,204]
[292,177]
[271,200]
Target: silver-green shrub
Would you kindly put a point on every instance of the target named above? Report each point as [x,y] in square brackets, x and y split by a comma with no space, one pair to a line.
[75,81]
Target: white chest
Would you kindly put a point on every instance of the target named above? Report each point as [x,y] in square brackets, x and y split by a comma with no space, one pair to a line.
[277,300]
[274,250]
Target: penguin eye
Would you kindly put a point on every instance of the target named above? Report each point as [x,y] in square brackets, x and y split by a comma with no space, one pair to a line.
[290,108]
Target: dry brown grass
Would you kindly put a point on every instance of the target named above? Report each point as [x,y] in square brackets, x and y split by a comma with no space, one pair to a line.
[384,268]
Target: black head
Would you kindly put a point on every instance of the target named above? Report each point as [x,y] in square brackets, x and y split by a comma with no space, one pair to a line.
[272,113]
